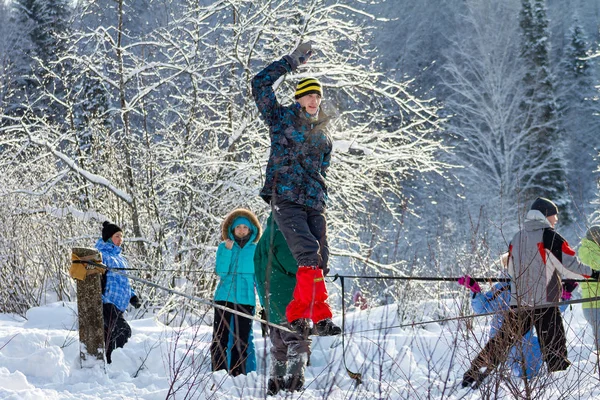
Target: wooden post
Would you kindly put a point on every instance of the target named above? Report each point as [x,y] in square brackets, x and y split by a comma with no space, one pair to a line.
[89,306]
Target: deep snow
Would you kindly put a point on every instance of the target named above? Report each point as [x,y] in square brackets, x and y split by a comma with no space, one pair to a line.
[39,359]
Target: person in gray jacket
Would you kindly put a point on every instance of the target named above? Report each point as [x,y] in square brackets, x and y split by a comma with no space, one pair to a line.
[538,257]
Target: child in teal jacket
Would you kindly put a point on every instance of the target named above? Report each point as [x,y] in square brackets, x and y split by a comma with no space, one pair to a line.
[236,290]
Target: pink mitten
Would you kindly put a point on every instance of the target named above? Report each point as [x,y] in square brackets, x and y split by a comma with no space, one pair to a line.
[469,283]
[568,286]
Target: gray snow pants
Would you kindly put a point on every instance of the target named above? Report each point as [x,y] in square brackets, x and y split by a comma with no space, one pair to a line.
[289,353]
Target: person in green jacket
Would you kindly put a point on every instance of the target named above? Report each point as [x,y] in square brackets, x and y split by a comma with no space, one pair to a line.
[589,253]
[275,269]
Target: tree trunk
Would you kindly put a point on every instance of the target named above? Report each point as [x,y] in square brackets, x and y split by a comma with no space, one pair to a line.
[89,306]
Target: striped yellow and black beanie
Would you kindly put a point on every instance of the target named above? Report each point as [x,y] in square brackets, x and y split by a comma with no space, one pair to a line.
[308,86]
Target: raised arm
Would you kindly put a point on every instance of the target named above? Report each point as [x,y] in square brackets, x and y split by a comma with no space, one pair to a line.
[262,83]
[263,93]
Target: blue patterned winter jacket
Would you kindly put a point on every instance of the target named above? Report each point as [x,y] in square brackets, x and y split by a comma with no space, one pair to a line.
[300,146]
[118,290]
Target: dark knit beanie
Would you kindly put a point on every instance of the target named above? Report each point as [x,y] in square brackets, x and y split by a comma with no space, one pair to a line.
[593,234]
[108,230]
[308,86]
[545,206]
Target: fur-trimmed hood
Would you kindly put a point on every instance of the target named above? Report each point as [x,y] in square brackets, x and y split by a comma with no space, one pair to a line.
[226,231]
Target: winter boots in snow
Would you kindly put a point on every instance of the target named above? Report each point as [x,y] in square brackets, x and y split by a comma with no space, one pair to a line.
[326,327]
[559,365]
[473,379]
[287,375]
[276,383]
[294,383]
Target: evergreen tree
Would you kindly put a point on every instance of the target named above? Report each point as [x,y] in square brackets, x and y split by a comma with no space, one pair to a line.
[46,23]
[51,25]
[540,109]
[577,98]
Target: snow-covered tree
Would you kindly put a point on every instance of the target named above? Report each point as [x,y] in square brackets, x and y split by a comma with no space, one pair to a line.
[484,85]
[412,36]
[6,51]
[172,140]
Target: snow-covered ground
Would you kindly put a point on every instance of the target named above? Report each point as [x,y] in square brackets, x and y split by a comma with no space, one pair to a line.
[39,359]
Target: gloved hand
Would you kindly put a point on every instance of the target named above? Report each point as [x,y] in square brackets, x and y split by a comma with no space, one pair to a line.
[263,327]
[595,275]
[300,55]
[135,301]
[469,283]
[568,286]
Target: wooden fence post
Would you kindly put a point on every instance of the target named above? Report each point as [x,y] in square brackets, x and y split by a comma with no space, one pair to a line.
[89,305]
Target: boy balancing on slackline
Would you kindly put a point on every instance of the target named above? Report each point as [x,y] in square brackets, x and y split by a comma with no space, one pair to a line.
[295,186]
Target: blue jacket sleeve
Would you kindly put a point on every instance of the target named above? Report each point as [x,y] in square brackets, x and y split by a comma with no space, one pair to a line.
[263,93]
[484,303]
[223,260]
[479,303]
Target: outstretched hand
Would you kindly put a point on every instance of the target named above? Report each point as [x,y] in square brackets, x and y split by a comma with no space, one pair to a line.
[568,286]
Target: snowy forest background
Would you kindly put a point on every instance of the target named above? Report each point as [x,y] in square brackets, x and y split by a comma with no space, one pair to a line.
[450,117]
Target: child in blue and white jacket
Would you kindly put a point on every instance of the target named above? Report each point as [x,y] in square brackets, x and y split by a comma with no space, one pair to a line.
[117,292]
[525,359]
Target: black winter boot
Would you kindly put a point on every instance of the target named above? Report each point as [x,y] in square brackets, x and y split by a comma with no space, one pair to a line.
[294,383]
[473,379]
[326,327]
[558,365]
[275,385]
